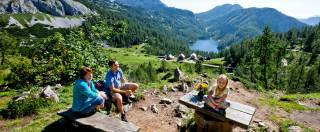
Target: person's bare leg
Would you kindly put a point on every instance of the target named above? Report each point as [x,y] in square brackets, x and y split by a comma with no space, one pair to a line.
[118,99]
[213,106]
[133,87]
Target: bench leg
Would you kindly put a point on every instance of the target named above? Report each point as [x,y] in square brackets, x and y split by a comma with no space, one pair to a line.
[210,125]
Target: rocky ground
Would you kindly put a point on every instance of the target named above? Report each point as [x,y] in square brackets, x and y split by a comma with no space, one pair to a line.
[166,119]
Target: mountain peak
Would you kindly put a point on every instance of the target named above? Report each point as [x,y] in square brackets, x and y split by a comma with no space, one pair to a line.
[218,11]
[52,7]
[311,20]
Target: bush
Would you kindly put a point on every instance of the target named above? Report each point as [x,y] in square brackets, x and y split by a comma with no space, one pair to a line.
[28,106]
[21,74]
[144,73]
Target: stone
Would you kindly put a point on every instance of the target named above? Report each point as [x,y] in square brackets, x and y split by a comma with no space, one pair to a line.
[165,101]
[169,57]
[48,93]
[193,56]
[22,96]
[173,89]
[257,120]
[261,124]
[295,129]
[144,108]
[204,75]
[178,75]
[164,89]
[185,87]
[181,57]
[179,123]
[154,109]
[180,110]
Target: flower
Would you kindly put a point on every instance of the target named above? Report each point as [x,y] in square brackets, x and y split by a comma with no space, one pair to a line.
[201,86]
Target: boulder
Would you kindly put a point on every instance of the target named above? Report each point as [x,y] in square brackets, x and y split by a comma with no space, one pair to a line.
[180,110]
[48,93]
[178,75]
[183,87]
[22,96]
[169,57]
[164,89]
[204,74]
[144,108]
[261,124]
[154,109]
[181,57]
[165,101]
[173,89]
[193,56]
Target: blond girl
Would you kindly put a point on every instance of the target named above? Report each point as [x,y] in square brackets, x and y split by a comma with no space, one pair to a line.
[216,98]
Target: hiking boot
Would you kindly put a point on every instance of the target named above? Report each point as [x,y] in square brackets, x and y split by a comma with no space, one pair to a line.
[132,97]
[124,117]
[126,100]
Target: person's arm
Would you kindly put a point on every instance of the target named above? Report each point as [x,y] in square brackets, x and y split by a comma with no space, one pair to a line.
[110,85]
[115,90]
[123,79]
[93,87]
[85,90]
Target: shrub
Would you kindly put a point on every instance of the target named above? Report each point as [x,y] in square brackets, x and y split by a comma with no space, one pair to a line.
[25,107]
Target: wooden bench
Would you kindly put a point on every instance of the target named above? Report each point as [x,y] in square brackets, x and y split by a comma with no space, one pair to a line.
[237,114]
[99,122]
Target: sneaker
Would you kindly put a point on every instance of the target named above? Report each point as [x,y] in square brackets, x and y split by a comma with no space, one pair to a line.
[126,100]
[132,97]
[124,117]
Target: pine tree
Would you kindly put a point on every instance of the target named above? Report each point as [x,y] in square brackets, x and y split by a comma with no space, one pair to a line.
[264,53]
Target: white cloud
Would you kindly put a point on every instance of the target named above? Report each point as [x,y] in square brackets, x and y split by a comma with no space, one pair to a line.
[295,8]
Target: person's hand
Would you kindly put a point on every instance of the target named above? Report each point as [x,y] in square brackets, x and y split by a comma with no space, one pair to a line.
[103,95]
[128,93]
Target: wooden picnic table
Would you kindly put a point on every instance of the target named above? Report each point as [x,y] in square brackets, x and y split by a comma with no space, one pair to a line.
[238,114]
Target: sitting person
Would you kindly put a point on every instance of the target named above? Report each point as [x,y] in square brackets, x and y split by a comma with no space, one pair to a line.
[216,98]
[86,98]
[115,86]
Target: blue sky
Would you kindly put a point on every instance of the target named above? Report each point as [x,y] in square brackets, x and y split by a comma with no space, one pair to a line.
[295,8]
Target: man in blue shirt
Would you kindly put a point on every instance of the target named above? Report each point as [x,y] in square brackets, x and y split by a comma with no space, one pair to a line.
[115,86]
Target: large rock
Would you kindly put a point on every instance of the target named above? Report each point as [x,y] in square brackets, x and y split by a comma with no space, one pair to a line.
[193,56]
[178,75]
[22,96]
[169,57]
[48,93]
[52,7]
[164,89]
[181,57]
[180,110]
[154,109]
[165,101]
[183,87]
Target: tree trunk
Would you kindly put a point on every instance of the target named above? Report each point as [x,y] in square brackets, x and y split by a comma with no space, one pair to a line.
[2,60]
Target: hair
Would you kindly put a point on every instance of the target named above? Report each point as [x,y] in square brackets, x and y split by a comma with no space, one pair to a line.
[84,71]
[225,77]
[111,62]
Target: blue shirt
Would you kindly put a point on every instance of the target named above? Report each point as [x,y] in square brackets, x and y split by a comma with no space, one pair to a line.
[83,95]
[112,79]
